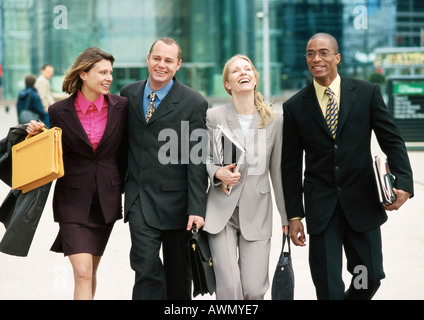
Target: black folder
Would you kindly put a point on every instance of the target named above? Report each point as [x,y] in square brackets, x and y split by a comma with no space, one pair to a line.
[230,151]
[385,181]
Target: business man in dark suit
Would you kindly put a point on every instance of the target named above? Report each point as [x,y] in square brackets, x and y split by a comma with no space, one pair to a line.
[165,192]
[341,203]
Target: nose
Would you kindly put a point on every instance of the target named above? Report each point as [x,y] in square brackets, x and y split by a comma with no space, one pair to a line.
[316,57]
[161,64]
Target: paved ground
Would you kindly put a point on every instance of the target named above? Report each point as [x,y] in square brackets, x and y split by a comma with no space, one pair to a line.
[47,275]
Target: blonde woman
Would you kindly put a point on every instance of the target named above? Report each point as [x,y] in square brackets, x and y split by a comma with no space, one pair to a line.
[240,224]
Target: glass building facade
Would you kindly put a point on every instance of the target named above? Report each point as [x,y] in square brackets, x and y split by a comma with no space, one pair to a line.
[410,23]
[36,32]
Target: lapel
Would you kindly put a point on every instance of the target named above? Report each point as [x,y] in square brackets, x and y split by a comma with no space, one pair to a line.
[113,118]
[166,106]
[312,107]
[346,101]
[234,125]
[168,103]
[347,97]
[70,118]
[135,101]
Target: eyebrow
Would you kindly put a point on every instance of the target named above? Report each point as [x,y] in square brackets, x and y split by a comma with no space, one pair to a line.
[159,56]
[322,49]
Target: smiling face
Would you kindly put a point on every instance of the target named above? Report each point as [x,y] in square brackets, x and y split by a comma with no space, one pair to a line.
[323,69]
[240,77]
[163,63]
[97,81]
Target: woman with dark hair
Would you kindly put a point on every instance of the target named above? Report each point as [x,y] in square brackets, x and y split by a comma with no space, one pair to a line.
[87,200]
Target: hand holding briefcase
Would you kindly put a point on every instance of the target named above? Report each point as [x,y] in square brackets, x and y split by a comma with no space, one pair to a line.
[37,160]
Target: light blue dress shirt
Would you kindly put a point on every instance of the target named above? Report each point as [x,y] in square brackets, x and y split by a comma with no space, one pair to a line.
[160,94]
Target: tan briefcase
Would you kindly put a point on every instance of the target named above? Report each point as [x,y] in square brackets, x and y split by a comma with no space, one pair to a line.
[37,160]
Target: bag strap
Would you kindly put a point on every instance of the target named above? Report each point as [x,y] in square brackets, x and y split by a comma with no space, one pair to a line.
[285,237]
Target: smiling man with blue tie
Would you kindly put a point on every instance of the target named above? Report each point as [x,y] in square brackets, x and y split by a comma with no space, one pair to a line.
[162,201]
[330,122]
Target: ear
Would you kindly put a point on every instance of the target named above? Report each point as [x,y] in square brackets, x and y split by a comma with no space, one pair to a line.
[83,75]
[338,58]
[227,85]
[179,64]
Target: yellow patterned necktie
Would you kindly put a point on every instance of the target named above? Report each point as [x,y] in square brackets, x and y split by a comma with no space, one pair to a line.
[332,112]
[151,108]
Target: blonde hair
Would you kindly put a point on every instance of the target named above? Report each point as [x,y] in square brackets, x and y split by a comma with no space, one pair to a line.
[85,61]
[266,112]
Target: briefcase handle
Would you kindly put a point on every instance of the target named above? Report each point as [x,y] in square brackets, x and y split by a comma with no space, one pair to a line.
[194,230]
[42,130]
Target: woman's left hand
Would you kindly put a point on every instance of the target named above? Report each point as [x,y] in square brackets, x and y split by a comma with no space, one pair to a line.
[34,127]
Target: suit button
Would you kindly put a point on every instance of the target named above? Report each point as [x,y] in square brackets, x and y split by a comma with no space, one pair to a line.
[339,189]
[336,147]
[336,168]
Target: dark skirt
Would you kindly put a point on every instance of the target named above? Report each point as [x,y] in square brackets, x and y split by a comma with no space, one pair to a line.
[89,238]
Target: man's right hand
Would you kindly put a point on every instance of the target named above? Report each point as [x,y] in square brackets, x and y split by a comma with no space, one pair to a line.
[296,233]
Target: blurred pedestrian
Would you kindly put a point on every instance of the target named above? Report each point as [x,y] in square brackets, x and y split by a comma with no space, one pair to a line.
[43,86]
[29,105]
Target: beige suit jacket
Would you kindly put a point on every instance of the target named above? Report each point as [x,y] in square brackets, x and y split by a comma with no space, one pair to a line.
[253,191]
[45,92]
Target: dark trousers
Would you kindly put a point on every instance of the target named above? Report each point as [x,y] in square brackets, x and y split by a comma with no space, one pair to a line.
[364,260]
[154,280]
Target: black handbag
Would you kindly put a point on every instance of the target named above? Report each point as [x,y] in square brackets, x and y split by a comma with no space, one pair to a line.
[283,282]
[201,263]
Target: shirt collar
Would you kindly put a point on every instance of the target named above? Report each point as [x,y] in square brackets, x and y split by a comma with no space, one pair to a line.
[334,86]
[161,93]
[84,104]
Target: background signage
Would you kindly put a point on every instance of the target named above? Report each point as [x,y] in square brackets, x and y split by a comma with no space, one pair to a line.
[406,102]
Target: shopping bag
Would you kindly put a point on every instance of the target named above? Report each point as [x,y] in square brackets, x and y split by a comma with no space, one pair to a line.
[37,160]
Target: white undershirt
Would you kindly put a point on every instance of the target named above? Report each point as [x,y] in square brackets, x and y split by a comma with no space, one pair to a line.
[245,121]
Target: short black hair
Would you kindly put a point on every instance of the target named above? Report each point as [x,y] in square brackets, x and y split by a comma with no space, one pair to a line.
[30,80]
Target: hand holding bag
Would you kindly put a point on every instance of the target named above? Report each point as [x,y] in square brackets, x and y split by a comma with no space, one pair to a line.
[201,263]
[37,160]
[283,282]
